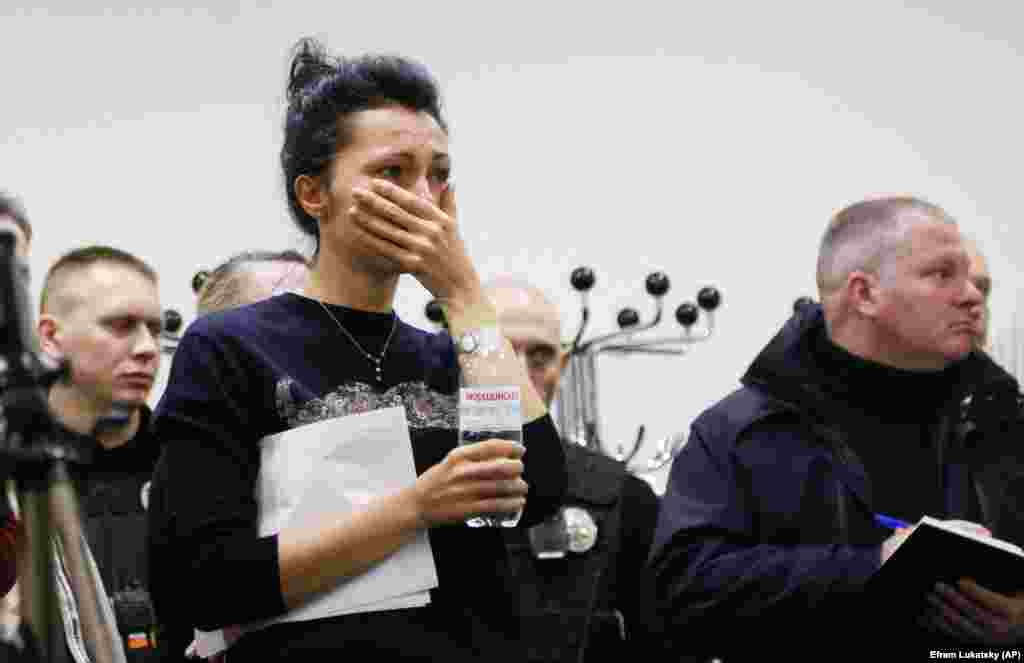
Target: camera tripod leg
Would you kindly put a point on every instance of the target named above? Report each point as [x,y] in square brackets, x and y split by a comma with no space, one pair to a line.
[50,512]
[40,607]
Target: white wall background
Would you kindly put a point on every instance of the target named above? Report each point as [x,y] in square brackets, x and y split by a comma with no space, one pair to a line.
[709,140]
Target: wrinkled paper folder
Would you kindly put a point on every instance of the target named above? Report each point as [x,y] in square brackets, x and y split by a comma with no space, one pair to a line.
[317,473]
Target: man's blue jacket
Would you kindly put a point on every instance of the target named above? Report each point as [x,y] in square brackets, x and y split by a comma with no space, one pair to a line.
[767,530]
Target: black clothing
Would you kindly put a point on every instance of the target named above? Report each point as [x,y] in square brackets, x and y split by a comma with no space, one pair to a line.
[113,489]
[246,373]
[768,520]
[585,605]
[908,402]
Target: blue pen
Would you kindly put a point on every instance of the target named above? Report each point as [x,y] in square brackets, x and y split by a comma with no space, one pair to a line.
[890,522]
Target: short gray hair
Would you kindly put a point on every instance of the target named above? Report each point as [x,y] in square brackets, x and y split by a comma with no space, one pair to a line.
[863,236]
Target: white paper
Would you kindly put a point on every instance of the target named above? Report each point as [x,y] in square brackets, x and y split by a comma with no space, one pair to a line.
[971,531]
[319,472]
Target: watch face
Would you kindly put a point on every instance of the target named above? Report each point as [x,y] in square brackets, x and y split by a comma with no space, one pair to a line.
[468,342]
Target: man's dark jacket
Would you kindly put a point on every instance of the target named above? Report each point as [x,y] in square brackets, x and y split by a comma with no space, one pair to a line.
[767,528]
[594,603]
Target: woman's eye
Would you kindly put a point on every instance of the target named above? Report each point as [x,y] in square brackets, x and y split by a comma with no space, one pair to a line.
[442,174]
[391,172]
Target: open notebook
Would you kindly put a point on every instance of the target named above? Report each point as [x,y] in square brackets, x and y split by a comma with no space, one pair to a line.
[944,551]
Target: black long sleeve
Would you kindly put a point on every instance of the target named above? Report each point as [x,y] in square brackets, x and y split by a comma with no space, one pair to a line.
[242,375]
[544,471]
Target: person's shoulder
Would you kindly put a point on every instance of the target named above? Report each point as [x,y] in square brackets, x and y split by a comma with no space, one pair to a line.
[635,489]
[640,506]
[243,320]
[225,350]
[435,342]
[598,478]
[269,326]
[432,352]
[639,499]
[737,411]
[594,464]
[747,418]
[593,477]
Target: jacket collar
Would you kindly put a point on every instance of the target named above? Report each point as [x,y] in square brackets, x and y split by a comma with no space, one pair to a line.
[787,371]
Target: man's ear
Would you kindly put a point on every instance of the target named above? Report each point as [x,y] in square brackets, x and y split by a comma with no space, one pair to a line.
[49,330]
[863,293]
[563,361]
[311,195]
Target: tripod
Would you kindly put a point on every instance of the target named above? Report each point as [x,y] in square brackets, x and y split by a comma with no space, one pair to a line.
[38,451]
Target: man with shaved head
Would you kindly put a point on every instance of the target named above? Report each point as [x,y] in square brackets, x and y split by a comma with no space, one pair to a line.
[100,314]
[871,404]
[586,592]
[100,311]
[534,326]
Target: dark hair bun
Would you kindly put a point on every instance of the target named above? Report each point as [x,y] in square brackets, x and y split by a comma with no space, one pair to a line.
[310,64]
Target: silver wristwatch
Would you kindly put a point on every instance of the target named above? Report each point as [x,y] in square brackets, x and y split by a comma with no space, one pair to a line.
[479,341]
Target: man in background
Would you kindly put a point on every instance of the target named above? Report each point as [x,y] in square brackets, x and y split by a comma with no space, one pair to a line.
[582,574]
[981,277]
[249,277]
[100,314]
[859,407]
[1006,341]
[1000,468]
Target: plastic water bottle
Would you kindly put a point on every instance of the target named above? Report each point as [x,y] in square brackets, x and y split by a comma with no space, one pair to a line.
[489,407]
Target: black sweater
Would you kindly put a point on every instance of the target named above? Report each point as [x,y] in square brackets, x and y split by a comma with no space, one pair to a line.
[904,466]
[243,374]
